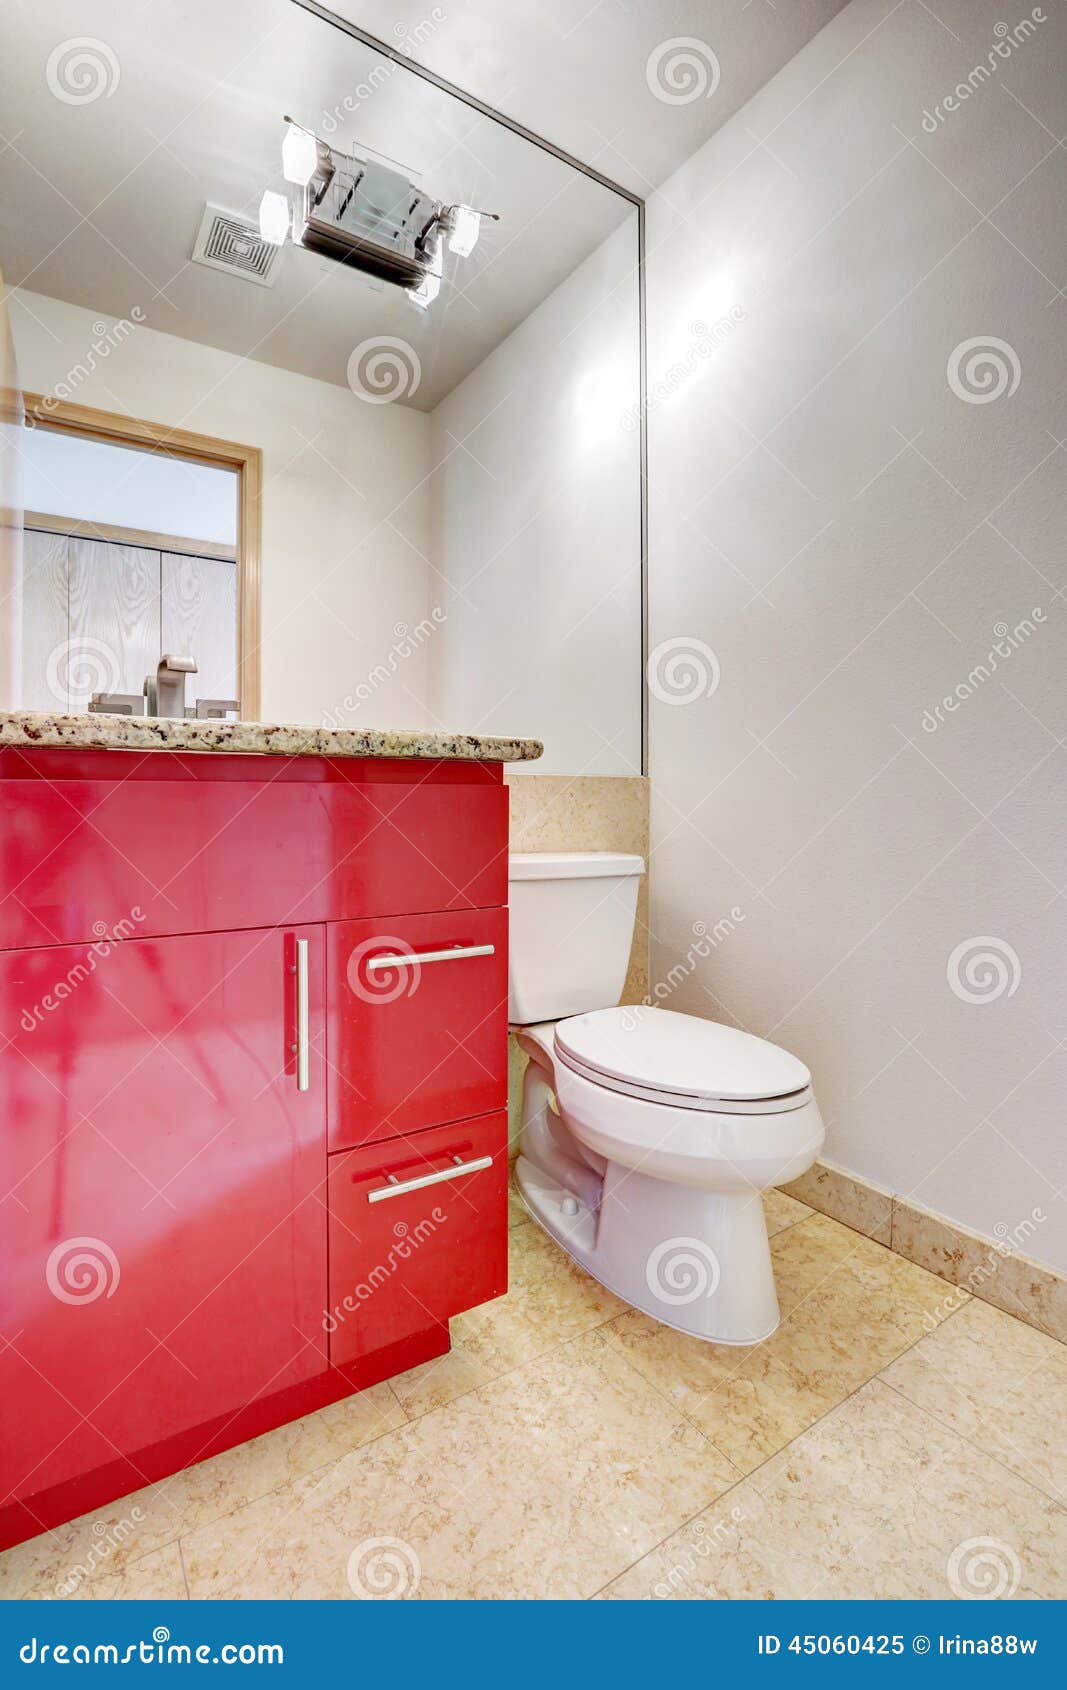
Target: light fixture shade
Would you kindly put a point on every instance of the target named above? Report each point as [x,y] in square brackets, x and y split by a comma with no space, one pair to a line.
[274,217]
[427,290]
[430,286]
[465,225]
[300,156]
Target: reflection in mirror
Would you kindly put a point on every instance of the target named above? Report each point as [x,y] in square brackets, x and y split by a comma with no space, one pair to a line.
[127,555]
[448,405]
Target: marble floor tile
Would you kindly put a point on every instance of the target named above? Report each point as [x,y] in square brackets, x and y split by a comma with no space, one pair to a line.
[849,1307]
[158,1577]
[781,1211]
[543,1483]
[878,1500]
[97,1544]
[549,1300]
[999,1383]
[566,1436]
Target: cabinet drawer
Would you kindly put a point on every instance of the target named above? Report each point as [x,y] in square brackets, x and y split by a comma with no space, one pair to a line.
[418,1233]
[197,850]
[422,1039]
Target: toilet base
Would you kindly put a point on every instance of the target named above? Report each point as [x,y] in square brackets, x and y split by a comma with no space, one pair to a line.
[698,1261]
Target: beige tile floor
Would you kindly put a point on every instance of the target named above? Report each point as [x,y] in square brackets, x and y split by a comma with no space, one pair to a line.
[893,1438]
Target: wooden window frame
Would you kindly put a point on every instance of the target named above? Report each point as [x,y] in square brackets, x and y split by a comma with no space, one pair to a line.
[66,417]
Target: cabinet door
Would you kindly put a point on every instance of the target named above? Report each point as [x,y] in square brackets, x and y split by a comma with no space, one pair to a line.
[418,1233]
[113,596]
[200,621]
[162,1255]
[45,631]
[418,1022]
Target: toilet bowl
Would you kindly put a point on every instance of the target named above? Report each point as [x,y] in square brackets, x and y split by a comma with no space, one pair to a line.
[648,1135]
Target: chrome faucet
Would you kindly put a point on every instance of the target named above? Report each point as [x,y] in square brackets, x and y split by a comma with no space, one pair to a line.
[165,690]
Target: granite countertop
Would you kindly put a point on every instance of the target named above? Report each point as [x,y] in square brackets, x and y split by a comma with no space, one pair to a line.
[150,733]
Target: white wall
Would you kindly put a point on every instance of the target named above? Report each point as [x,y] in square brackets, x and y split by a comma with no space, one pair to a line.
[536,527]
[345,504]
[846,533]
[97,481]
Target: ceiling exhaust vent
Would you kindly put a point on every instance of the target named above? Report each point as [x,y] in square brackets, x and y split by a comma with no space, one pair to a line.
[226,241]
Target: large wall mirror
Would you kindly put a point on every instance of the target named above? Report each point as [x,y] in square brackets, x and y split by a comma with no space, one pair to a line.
[451,493]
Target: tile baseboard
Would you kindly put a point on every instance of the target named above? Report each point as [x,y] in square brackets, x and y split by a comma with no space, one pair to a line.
[864,1207]
[988,1269]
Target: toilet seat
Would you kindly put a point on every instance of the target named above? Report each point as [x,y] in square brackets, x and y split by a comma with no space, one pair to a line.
[666,1057]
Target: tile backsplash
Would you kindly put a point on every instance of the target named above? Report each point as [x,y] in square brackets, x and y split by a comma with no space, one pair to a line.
[582,813]
[588,813]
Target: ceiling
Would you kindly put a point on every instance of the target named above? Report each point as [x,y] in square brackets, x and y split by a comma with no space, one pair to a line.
[101,199]
[577,72]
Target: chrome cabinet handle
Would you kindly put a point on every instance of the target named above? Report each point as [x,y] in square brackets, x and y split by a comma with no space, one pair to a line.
[408,959]
[303,1079]
[398,1187]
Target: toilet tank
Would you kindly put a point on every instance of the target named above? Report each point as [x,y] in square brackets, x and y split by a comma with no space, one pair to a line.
[571,928]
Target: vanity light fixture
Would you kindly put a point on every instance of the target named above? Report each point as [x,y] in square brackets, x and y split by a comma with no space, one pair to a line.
[424,295]
[300,155]
[274,217]
[464,227]
[360,211]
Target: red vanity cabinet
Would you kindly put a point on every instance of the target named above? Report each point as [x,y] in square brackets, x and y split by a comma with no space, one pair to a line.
[202,1091]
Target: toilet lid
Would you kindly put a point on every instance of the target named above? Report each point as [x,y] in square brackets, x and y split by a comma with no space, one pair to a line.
[680,1058]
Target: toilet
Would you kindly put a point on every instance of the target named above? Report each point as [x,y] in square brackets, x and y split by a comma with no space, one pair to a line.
[647,1135]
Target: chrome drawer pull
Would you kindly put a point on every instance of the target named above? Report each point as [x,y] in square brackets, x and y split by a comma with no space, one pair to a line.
[303,1079]
[398,1188]
[409,959]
